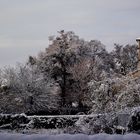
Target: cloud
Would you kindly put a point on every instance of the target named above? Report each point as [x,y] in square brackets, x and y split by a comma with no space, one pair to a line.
[27,23]
[13,51]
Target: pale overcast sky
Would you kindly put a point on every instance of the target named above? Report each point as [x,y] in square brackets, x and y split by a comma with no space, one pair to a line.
[26,24]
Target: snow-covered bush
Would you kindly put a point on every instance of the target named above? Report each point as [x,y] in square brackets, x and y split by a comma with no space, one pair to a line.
[114,94]
[28,91]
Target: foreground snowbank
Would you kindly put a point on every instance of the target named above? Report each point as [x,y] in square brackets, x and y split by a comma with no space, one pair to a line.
[8,136]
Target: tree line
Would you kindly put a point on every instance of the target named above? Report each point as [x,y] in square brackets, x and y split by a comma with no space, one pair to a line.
[71,76]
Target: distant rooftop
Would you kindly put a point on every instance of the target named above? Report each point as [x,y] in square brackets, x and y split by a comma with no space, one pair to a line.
[138,39]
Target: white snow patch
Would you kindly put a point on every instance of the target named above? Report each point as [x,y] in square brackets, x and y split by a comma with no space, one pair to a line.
[8,136]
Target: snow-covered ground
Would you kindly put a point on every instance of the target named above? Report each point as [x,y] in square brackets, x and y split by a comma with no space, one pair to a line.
[8,136]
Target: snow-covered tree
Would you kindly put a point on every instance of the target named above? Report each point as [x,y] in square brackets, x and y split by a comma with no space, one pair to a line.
[125,58]
[72,73]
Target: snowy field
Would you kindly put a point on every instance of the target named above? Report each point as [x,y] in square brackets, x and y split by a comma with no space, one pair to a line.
[8,136]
